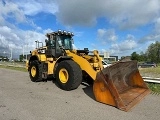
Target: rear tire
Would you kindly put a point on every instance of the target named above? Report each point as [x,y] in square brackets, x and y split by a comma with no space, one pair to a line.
[68,75]
[35,71]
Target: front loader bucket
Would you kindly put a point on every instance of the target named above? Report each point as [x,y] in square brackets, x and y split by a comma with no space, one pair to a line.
[120,85]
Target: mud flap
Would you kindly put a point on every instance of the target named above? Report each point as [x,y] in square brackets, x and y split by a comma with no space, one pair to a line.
[120,85]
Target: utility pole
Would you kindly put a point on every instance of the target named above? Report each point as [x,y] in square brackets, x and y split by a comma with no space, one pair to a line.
[159,54]
[23,52]
[26,51]
[11,54]
[27,37]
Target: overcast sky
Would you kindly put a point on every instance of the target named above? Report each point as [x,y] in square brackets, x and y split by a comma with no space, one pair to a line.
[117,26]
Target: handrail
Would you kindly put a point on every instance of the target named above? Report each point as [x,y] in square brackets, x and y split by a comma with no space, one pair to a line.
[151,80]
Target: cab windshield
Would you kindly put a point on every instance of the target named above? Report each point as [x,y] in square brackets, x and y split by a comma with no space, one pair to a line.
[65,41]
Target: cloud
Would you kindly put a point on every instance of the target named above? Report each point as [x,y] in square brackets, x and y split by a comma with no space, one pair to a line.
[157,25]
[47,31]
[125,46]
[106,35]
[11,36]
[16,39]
[19,11]
[136,13]
[33,7]
[125,14]
[74,12]
[3,42]
[9,33]
[152,36]
[122,13]
[74,46]
[11,10]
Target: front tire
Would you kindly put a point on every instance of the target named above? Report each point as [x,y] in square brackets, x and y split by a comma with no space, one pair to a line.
[35,71]
[68,75]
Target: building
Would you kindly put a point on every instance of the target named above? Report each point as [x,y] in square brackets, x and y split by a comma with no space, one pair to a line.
[105,56]
[4,58]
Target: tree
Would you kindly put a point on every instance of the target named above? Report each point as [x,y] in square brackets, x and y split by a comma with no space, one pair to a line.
[153,52]
[135,56]
[142,56]
[21,57]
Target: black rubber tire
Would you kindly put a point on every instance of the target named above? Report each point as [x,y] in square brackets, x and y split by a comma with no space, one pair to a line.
[74,73]
[38,66]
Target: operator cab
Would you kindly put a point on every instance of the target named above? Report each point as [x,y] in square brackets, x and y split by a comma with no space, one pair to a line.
[65,41]
[58,42]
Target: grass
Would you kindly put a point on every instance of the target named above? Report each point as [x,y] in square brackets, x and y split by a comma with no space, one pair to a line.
[155,88]
[13,68]
[154,73]
[150,72]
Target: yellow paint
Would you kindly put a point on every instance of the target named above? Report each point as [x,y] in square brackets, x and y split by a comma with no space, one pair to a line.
[95,64]
[63,75]
[95,52]
[42,57]
[34,52]
[102,93]
[49,59]
[86,62]
[33,71]
[87,57]
[83,63]
[27,64]
[51,67]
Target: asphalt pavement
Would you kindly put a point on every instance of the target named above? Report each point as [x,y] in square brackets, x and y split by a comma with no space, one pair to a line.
[21,99]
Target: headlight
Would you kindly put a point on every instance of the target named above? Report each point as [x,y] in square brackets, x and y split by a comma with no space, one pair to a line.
[64,32]
[42,51]
[59,31]
[72,34]
[69,33]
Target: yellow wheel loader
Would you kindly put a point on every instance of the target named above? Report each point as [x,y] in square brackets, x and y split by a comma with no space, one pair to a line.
[119,85]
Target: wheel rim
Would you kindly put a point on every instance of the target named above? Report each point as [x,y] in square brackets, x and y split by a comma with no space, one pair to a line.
[63,75]
[33,71]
